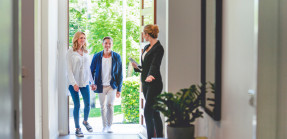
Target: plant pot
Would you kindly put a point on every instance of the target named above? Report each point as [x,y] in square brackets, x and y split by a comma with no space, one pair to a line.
[180,132]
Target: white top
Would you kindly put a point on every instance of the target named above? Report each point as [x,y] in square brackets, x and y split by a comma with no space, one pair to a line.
[78,68]
[106,71]
[144,55]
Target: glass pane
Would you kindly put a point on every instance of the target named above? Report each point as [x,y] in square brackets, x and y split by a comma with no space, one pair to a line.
[6,68]
[148,19]
[210,51]
[148,3]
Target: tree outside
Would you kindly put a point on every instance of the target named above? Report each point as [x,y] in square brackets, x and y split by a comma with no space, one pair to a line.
[100,18]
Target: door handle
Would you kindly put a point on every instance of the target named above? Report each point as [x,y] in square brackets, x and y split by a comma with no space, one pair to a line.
[24,72]
[252,94]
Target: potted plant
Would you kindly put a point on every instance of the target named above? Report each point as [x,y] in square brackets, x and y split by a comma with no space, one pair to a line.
[181,110]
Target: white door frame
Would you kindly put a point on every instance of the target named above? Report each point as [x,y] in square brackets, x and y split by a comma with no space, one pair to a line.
[63,44]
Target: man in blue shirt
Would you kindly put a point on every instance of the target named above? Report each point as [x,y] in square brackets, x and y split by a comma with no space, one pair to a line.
[106,68]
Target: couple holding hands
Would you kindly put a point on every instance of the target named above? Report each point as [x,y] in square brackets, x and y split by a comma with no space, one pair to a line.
[104,76]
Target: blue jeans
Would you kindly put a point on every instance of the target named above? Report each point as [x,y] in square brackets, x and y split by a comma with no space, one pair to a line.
[85,91]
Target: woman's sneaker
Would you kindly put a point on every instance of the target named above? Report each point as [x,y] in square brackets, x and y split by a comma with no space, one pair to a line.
[79,133]
[88,127]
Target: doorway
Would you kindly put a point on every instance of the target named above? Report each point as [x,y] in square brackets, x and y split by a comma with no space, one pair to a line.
[120,20]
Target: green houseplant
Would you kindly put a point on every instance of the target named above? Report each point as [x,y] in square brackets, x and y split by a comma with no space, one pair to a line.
[181,110]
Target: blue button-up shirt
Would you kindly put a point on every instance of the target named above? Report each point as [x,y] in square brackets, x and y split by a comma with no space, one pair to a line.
[117,74]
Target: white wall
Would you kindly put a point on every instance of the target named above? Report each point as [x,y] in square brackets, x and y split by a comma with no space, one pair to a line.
[239,58]
[50,68]
[63,116]
[162,22]
[184,48]
[179,26]
[162,19]
[183,44]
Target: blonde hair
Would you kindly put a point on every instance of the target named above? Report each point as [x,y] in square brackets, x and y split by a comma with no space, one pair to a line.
[75,42]
[152,30]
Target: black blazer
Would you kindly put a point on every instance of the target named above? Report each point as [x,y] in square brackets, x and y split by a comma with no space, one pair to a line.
[151,63]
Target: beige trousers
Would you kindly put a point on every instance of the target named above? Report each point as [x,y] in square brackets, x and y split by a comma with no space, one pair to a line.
[107,105]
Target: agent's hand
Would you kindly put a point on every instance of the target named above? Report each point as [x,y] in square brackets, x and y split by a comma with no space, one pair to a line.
[118,94]
[94,87]
[76,88]
[135,65]
[149,78]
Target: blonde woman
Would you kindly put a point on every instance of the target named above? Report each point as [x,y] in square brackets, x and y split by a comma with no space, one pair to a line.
[80,77]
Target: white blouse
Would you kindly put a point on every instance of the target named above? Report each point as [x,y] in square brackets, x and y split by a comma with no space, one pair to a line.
[144,55]
[79,68]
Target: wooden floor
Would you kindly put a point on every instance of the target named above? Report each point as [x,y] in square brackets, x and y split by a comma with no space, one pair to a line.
[102,136]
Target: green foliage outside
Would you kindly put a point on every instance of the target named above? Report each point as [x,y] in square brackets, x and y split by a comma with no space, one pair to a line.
[96,112]
[130,100]
[101,18]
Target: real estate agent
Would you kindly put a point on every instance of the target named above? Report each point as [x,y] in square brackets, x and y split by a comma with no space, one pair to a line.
[151,79]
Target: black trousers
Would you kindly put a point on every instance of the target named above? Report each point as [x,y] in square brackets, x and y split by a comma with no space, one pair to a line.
[152,117]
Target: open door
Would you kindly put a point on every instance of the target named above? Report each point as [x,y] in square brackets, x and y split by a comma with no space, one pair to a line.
[148,16]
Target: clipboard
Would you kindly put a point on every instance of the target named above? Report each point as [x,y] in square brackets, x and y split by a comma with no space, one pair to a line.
[132,60]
